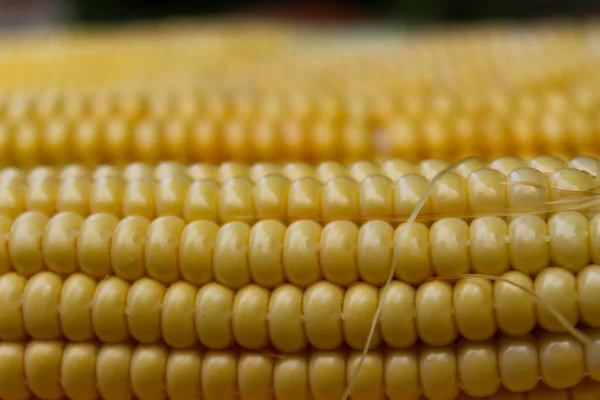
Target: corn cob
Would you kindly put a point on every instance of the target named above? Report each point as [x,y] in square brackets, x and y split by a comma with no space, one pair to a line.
[183,280]
[269,254]
[51,370]
[324,315]
[362,195]
[541,96]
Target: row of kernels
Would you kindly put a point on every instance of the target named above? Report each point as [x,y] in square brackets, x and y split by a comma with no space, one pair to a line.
[130,108]
[461,136]
[269,253]
[586,390]
[274,196]
[292,104]
[498,102]
[324,315]
[93,143]
[297,102]
[494,103]
[322,171]
[553,368]
[117,141]
[575,129]
[265,113]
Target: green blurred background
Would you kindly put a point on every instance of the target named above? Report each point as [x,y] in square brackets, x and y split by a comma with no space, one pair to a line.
[27,14]
[328,10]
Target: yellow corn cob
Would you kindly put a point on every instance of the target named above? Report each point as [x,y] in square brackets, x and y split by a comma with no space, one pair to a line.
[541,97]
[51,370]
[329,191]
[269,253]
[323,316]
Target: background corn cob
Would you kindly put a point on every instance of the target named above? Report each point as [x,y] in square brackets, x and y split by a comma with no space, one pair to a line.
[294,93]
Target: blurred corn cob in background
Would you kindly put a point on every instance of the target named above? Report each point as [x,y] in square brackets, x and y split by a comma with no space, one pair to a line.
[273,93]
[214,211]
